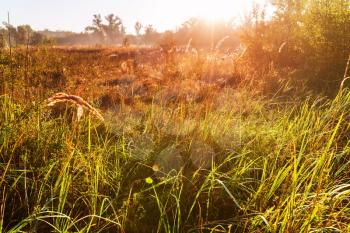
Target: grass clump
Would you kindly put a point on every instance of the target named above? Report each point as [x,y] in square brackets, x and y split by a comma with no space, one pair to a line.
[271,169]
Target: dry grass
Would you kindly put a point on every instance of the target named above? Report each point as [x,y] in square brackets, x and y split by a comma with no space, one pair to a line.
[76,100]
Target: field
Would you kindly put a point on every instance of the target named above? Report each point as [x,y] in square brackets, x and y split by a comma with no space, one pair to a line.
[189,143]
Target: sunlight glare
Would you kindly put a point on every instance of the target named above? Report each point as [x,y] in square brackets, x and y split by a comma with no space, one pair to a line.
[221,9]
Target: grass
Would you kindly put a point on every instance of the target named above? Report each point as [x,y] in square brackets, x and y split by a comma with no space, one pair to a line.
[186,155]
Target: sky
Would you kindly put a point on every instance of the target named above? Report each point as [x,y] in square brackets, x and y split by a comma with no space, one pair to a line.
[75,15]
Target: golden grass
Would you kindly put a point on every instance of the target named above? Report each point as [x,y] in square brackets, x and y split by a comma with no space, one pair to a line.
[76,100]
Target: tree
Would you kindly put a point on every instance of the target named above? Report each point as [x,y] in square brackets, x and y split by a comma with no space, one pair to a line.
[11,34]
[150,35]
[325,27]
[2,38]
[24,33]
[97,23]
[97,27]
[110,32]
[37,38]
[114,29]
[138,27]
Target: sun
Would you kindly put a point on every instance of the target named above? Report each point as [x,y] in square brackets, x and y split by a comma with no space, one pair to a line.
[170,13]
[220,9]
[214,10]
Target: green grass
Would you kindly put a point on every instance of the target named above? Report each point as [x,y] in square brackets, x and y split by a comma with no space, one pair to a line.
[267,167]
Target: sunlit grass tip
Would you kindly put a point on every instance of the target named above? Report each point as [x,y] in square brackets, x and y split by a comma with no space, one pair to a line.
[76,100]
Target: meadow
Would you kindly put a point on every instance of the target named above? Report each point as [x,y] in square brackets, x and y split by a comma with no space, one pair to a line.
[190,141]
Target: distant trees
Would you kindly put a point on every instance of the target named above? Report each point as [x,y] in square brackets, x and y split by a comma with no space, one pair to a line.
[110,30]
[200,32]
[20,35]
[38,38]
[150,34]
[204,34]
[109,33]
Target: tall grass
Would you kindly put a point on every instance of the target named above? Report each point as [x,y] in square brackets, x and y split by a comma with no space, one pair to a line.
[186,149]
[275,168]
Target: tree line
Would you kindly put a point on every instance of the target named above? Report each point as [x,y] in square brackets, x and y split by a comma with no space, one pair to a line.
[110,30]
[20,35]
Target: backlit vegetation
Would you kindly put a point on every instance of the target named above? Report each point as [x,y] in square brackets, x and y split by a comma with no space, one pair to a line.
[247,132]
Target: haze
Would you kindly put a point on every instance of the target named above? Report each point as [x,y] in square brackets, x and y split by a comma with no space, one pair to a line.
[76,15]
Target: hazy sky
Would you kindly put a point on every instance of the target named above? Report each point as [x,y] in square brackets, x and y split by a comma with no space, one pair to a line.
[75,15]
